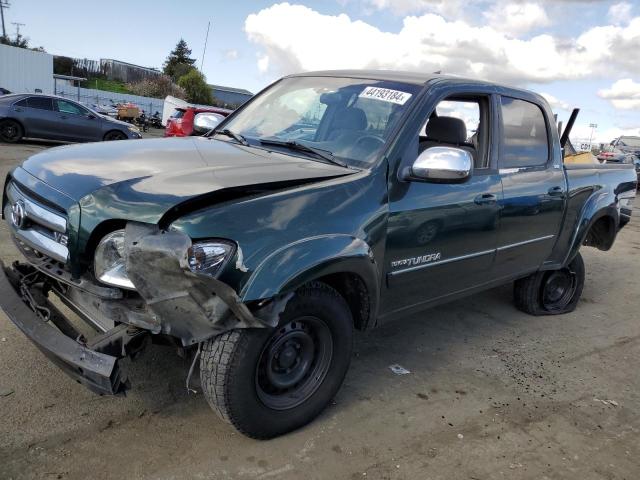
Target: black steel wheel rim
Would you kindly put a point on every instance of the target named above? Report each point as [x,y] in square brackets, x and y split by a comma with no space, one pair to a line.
[9,131]
[294,363]
[558,289]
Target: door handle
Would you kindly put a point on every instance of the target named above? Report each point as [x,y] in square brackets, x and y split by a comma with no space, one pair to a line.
[556,192]
[485,198]
[17,109]
[64,117]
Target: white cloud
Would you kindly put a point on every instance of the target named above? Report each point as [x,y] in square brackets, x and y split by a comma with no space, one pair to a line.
[619,13]
[623,94]
[516,18]
[555,103]
[288,36]
[231,54]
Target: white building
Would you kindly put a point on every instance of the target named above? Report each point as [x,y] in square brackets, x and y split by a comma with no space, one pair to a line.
[23,70]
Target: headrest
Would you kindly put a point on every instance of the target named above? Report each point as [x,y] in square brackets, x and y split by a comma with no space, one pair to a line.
[350,118]
[446,130]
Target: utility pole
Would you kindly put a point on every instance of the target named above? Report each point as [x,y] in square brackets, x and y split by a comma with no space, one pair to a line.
[593,126]
[3,4]
[206,39]
[18,25]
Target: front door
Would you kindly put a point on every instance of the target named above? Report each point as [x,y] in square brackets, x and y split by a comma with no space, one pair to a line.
[441,238]
[76,122]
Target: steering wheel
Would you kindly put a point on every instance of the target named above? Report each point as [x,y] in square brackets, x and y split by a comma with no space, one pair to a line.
[376,141]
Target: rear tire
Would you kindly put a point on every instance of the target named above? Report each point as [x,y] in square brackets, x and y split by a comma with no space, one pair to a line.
[551,292]
[11,131]
[267,382]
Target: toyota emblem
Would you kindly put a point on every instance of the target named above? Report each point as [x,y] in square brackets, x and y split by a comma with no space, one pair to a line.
[17,214]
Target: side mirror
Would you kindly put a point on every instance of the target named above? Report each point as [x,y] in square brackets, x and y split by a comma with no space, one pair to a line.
[440,165]
[206,121]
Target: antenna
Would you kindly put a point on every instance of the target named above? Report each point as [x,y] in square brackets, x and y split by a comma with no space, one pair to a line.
[206,39]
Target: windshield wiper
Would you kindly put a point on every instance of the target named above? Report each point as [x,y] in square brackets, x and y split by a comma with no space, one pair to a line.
[236,136]
[301,147]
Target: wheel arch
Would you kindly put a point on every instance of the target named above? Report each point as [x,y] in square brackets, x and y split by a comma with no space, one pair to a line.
[344,262]
[597,227]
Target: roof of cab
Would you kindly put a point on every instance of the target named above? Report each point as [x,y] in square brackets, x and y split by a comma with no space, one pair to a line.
[416,78]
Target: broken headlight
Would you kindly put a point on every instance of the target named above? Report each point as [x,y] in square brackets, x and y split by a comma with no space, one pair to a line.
[109,262]
[207,257]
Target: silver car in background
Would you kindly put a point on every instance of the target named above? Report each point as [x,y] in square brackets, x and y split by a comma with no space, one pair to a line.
[56,118]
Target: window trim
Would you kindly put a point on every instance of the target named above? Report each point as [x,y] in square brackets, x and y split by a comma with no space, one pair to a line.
[501,146]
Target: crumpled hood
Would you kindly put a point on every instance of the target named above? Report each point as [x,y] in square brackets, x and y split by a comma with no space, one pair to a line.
[179,168]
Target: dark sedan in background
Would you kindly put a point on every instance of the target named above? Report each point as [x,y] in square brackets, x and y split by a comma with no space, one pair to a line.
[55,118]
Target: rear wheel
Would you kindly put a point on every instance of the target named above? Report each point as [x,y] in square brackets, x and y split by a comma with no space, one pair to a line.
[10,131]
[552,292]
[115,135]
[267,382]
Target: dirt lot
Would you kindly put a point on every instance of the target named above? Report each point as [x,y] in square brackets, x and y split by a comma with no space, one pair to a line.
[492,393]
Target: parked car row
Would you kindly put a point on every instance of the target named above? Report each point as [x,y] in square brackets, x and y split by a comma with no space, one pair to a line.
[625,149]
[55,118]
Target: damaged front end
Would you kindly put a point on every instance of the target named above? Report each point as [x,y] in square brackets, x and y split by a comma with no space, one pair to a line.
[168,301]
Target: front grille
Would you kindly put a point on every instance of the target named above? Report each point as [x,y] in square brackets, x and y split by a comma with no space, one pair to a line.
[35,225]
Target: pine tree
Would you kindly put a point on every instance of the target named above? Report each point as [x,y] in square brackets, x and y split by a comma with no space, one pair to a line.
[178,62]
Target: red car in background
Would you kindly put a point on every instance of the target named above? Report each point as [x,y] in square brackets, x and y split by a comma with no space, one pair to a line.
[180,124]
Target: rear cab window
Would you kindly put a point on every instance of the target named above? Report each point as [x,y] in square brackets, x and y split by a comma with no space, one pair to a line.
[525,140]
[177,114]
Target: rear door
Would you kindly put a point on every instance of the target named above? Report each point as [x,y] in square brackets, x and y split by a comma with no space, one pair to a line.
[37,115]
[534,188]
[77,123]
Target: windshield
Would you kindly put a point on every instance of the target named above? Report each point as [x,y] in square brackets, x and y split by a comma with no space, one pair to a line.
[351,119]
[629,142]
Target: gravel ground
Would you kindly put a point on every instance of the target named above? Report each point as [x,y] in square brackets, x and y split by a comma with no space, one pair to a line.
[492,393]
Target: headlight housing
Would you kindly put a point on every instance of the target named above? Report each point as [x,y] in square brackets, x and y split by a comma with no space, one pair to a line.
[208,257]
[109,261]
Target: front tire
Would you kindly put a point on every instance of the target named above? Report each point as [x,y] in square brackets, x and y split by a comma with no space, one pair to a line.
[114,135]
[267,382]
[551,292]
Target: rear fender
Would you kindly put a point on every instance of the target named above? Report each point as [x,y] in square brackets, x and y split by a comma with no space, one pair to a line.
[292,266]
[596,208]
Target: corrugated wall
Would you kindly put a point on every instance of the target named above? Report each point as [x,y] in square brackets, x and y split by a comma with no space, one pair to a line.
[90,96]
[23,70]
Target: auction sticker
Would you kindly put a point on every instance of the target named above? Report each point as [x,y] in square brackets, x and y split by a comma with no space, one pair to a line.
[385,95]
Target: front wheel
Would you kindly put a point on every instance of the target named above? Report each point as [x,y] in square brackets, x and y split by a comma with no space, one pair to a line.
[114,135]
[551,292]
[267,382]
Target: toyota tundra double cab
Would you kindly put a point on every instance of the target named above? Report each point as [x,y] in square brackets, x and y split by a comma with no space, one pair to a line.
[330,202]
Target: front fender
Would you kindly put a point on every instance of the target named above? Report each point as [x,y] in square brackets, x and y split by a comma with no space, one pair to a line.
[295,264]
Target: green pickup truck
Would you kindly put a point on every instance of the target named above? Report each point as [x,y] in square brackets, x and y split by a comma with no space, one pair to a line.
[329,202]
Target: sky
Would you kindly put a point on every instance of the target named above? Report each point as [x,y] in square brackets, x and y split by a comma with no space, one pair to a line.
[576,53]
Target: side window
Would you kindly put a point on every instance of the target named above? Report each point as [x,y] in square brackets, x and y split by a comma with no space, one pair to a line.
[41,103]
[22,103]
[67,107]
[462,123]
[525,142]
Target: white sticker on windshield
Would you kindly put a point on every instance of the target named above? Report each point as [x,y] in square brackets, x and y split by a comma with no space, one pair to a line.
[385,95]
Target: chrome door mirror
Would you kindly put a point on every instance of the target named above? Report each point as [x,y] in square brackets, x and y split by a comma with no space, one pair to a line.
[440,165]
[206,121]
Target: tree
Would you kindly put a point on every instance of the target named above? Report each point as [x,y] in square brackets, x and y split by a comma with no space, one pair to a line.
[178,62]
[20,42]
[195,85]
[159,87]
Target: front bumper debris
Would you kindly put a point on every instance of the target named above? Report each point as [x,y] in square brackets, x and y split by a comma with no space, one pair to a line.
[94,363]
